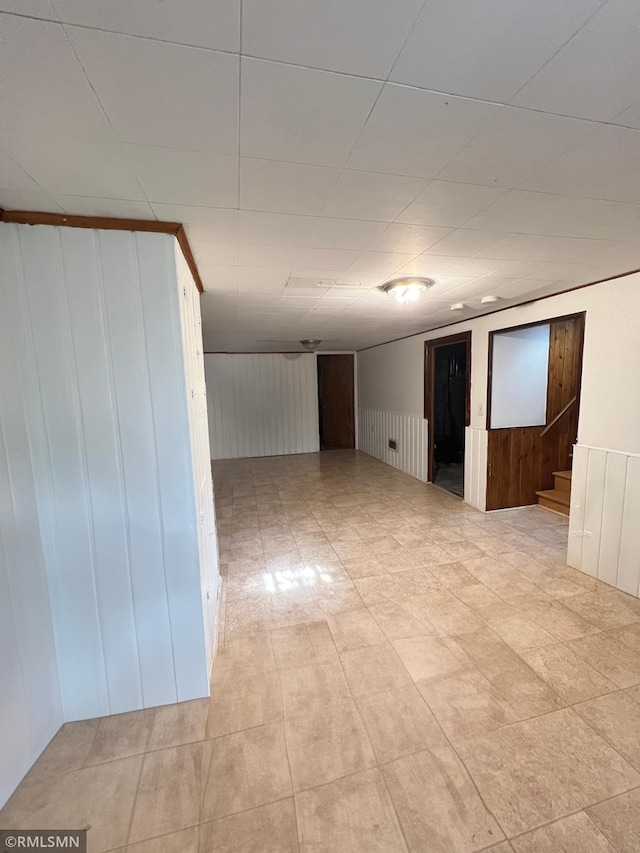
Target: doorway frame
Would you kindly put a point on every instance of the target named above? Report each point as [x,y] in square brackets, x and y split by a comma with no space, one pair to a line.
[429,381]
[354,402]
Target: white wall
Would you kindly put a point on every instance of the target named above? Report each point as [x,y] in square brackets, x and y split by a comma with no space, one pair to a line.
[96,318]
[30,706]
[262,404]
[519,377]
[391,376]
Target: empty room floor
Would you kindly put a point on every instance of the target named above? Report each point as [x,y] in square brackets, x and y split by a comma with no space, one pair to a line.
[396,672]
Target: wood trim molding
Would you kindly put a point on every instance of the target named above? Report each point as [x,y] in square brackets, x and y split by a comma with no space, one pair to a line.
[108,223]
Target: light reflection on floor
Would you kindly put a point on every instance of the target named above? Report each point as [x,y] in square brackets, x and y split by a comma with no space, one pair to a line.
[288,579]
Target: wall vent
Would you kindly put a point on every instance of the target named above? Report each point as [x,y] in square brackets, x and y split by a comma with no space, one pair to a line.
[393,444]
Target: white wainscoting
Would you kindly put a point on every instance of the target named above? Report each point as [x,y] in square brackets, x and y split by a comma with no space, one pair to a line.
[475,467]
[262,404]
[375,430]
[604,524]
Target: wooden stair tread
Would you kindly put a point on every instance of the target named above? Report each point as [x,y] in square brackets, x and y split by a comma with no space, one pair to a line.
[555,495]
[565,475]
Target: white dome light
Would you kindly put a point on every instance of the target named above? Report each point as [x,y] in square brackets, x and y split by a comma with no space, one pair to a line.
[406,289]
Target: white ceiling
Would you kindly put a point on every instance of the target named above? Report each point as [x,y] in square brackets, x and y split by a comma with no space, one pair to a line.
[315,149]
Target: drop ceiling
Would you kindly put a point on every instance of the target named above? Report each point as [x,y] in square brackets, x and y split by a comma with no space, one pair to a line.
[314,150]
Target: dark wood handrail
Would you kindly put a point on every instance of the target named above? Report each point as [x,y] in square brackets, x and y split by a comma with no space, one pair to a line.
[559,415]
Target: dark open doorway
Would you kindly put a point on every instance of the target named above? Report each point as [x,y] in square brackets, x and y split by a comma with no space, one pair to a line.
[335,402]
[447,395]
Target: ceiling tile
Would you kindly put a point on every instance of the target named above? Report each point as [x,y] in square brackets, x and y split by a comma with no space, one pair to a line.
[122,208]
[214,224]
[214,254]
[413,132]
[606,165]
[486,50]
[52,96]
[381,263]
[195,22]
[88,167]
[301,115]
[284,187]
[262,281]
[514,146]
[28,200]
[430,265]
[334,259]
[629,117]
[359,37]
[218,278]
[185,177]
[12,177]
[162,94]
[596,74]
[344,233]
[408,238]
[274,229]
[464,241]
[365,195]
[449,204]
[29,8]
[542,213]
[267,256]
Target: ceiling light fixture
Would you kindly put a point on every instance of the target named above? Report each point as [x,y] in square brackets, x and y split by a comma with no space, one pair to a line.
[458,306]
[310,344]
[406,289]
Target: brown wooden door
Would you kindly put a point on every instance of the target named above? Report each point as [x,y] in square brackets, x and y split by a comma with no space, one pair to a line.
[335,400]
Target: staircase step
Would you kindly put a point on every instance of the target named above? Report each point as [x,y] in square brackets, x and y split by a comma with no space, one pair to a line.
[554,499]
[562,481]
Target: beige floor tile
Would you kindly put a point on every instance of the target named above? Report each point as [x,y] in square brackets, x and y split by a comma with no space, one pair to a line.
[170,790]
[611,657]
[303,645]
[466,705]
[396,622]
[247,769]
[572,678]
[266,829]
[618,820]
[307,689]
[399,723]
[173,725]
[353,814]
[120,736]
[616,717]
[437,804]
[68,750]
[99,797]
[517,631]
[327,744]
[630,636]
[448,615]
[426,658]
[374,668]
[243,697]
[364,567]
[589,767]
[605,610]
[508,673]
[552,615]
[253,649]
[573,834]
[355,629]
[515,784]
[184,841]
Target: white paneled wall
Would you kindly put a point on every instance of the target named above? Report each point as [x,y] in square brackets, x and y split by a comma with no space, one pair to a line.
[30,707]
[102,385]
[262,404]
[191,325]
[375,430]
[605,514]
[475,467]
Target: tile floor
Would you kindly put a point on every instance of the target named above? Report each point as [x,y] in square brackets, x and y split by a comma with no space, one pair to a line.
[396,672]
